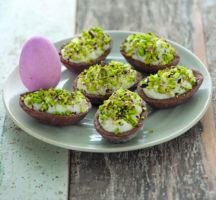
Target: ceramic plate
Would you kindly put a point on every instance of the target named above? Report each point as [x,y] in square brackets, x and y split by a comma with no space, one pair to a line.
[159,127]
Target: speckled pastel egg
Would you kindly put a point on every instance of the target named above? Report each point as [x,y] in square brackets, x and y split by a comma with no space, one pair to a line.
[39,64]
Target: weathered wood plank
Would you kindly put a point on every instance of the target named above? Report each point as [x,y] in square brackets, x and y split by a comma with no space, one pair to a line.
[208,121]
[174,170]
[30,169]
[209,23]
[170,171]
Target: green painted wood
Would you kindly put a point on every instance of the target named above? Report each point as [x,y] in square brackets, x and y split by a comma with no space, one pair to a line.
[29,168]
[178,169]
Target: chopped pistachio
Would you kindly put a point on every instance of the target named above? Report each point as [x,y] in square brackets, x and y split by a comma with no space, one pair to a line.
[151,130]
[107,78]
[117,132]
[82,48]
[168,81]
[46,99]
[121,106]
[149,48]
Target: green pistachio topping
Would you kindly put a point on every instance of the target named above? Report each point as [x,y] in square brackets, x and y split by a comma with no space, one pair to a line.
[121,106]
[90,45]
[102,79]
[149,49]
[172,82]
[44,100]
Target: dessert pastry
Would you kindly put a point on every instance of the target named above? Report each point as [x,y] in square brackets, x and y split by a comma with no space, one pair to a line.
[55,106]
[148,53]
[87,49]
[120,117]
[170,87]
[99,81]
[39,60]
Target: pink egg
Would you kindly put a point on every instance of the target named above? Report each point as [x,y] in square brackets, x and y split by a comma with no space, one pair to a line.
[39,64]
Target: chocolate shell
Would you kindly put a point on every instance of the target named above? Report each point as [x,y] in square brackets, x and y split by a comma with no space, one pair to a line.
[83,65]
[174,101]
[98,99]
[148,68]
[125,136]
[52,119]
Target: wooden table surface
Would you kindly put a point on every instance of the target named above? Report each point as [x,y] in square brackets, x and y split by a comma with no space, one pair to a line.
[184,168]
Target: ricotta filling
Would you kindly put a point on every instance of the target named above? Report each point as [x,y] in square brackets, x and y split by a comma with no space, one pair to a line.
[105,79]
[111,126]
[102,90]
[177,91]
[93,55]
[180,88]
[81,107]
[160,51]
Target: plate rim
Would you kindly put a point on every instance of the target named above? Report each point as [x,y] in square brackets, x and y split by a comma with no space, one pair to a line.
[125,148]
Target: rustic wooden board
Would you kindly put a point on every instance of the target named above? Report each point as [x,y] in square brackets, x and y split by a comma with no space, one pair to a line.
[179,169]
[205,10]
[29,168]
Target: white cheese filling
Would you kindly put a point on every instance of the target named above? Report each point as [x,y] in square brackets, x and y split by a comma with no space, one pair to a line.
[81,107]
[178,90]
[111,126]
[92,56]
[160,51]
[123,83]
